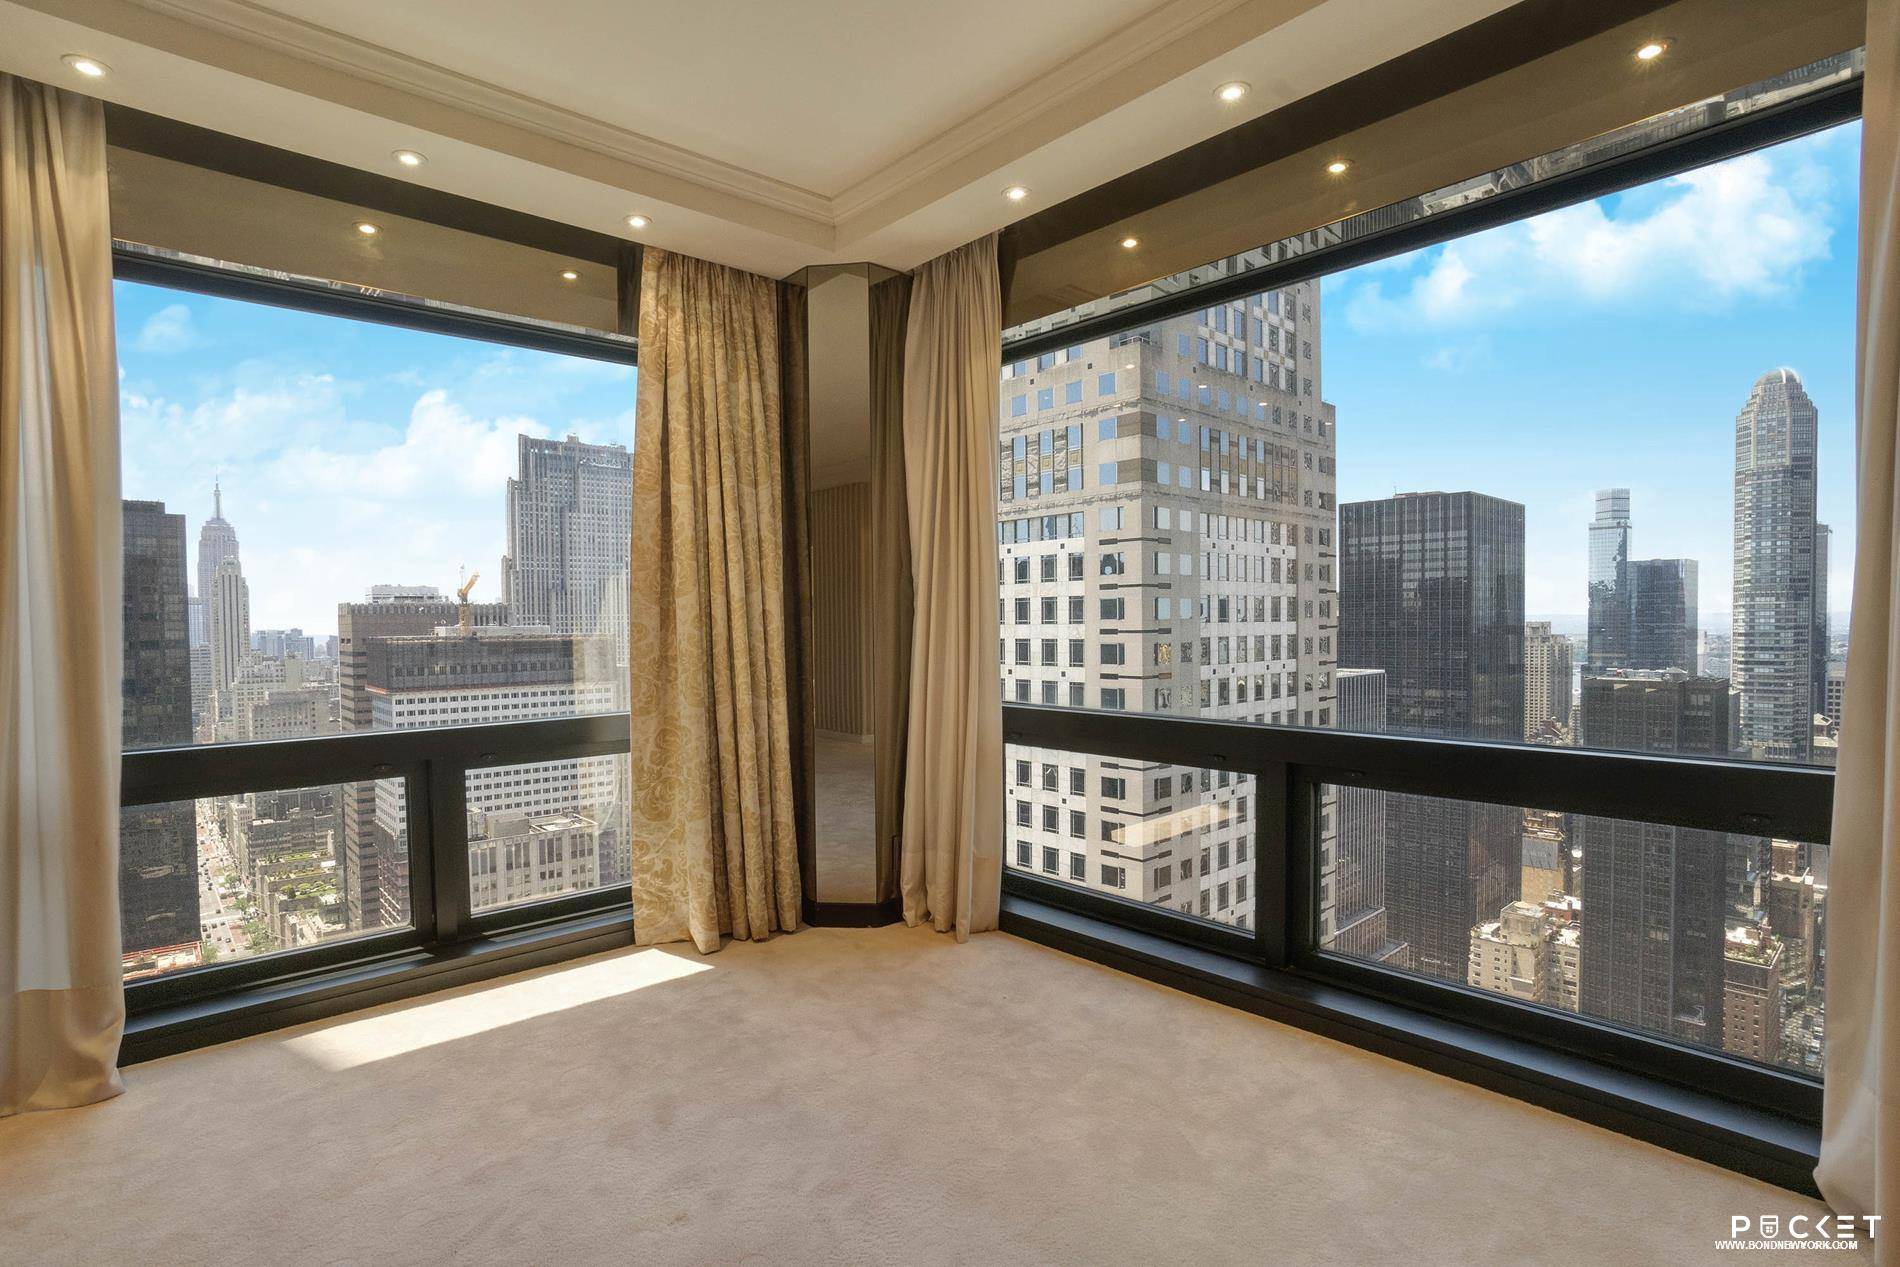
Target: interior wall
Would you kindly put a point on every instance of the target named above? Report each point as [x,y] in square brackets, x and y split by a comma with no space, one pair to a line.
[841,609]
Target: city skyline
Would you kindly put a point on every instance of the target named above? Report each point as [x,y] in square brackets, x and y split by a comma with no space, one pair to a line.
[347,454]
[298,416]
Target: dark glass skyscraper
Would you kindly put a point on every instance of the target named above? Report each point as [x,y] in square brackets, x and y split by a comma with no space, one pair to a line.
[158,874]
[1609,632]
[1664,626]
[1654,897]
[1780,597]
[1358,920]
[1431,590]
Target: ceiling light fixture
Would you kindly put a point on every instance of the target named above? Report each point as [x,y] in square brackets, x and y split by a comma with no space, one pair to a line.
[1129,244]
[1233,91]
[1016,193]
[367,229]
[638,221]
[569,275]
[1650,51]
[1337,167]
[409,158]
[90,67]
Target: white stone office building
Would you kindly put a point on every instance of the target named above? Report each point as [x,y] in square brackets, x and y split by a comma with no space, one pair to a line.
[1166,545]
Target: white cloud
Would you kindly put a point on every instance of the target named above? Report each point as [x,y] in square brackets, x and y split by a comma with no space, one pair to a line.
[1745,227]
[1460,357]
[443,447]
[167,331]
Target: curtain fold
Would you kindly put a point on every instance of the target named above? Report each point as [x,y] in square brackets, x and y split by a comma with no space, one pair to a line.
[61,572]
[951,865]
[891,594]
[713,822]
[1859,1172]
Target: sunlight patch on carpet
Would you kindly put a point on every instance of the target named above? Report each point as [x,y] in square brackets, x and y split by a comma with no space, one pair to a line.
[360,1042]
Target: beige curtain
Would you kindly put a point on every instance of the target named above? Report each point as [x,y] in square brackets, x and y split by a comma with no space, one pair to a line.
[952,861]
[1860,1132]
[891,593]
[61,1007]
[713,820]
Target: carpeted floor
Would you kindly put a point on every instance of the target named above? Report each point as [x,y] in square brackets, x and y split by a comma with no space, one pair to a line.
[848,1096]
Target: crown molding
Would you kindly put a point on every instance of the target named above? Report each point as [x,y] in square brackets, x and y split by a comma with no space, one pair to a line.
[1145,40]
[1117,56]
[281,33]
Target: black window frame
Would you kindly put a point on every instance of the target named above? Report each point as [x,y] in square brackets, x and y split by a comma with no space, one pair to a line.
[434,761]
[1291,764]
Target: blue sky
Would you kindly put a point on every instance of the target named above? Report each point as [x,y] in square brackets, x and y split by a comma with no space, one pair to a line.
[1610,344]
[1606,344]
[350,453]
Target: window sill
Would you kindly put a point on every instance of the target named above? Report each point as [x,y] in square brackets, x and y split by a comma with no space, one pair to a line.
[1751,1141]
[315,995]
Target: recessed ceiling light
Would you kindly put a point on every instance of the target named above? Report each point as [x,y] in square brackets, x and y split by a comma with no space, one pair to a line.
[1650,51]
[569,275]
[1016,193]
[1337,167]
[1129,244]
[638,221]
[1233,91]
[409,158]
[90,67]
[1128,365]
[367,229]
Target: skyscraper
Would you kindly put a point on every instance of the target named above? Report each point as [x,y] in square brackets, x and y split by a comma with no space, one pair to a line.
[570,509]
[230,628]
[1654,897]
[1819,652]
[1780,596]
[1352,907]
[1165,539]
[1609,632]
[496,674]
[389,614]
[1665,628]
[217,541]
[1431,589]
[158,873]
[1547,664]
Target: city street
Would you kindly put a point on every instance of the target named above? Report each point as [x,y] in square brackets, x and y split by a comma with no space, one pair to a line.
[221,918]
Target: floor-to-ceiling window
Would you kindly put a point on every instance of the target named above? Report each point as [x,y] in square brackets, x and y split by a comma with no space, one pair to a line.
[1579,481]
[334,527]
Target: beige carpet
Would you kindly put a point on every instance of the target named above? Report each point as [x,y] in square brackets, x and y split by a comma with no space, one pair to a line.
[835,1096]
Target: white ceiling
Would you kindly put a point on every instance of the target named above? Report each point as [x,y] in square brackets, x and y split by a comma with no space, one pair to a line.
[769,134]
[875,79]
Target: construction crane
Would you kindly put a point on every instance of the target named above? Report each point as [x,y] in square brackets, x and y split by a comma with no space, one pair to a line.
[461,597]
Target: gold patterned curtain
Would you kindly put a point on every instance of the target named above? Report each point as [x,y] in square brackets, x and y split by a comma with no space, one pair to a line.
[61,570]
[951,866]
[714,701]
